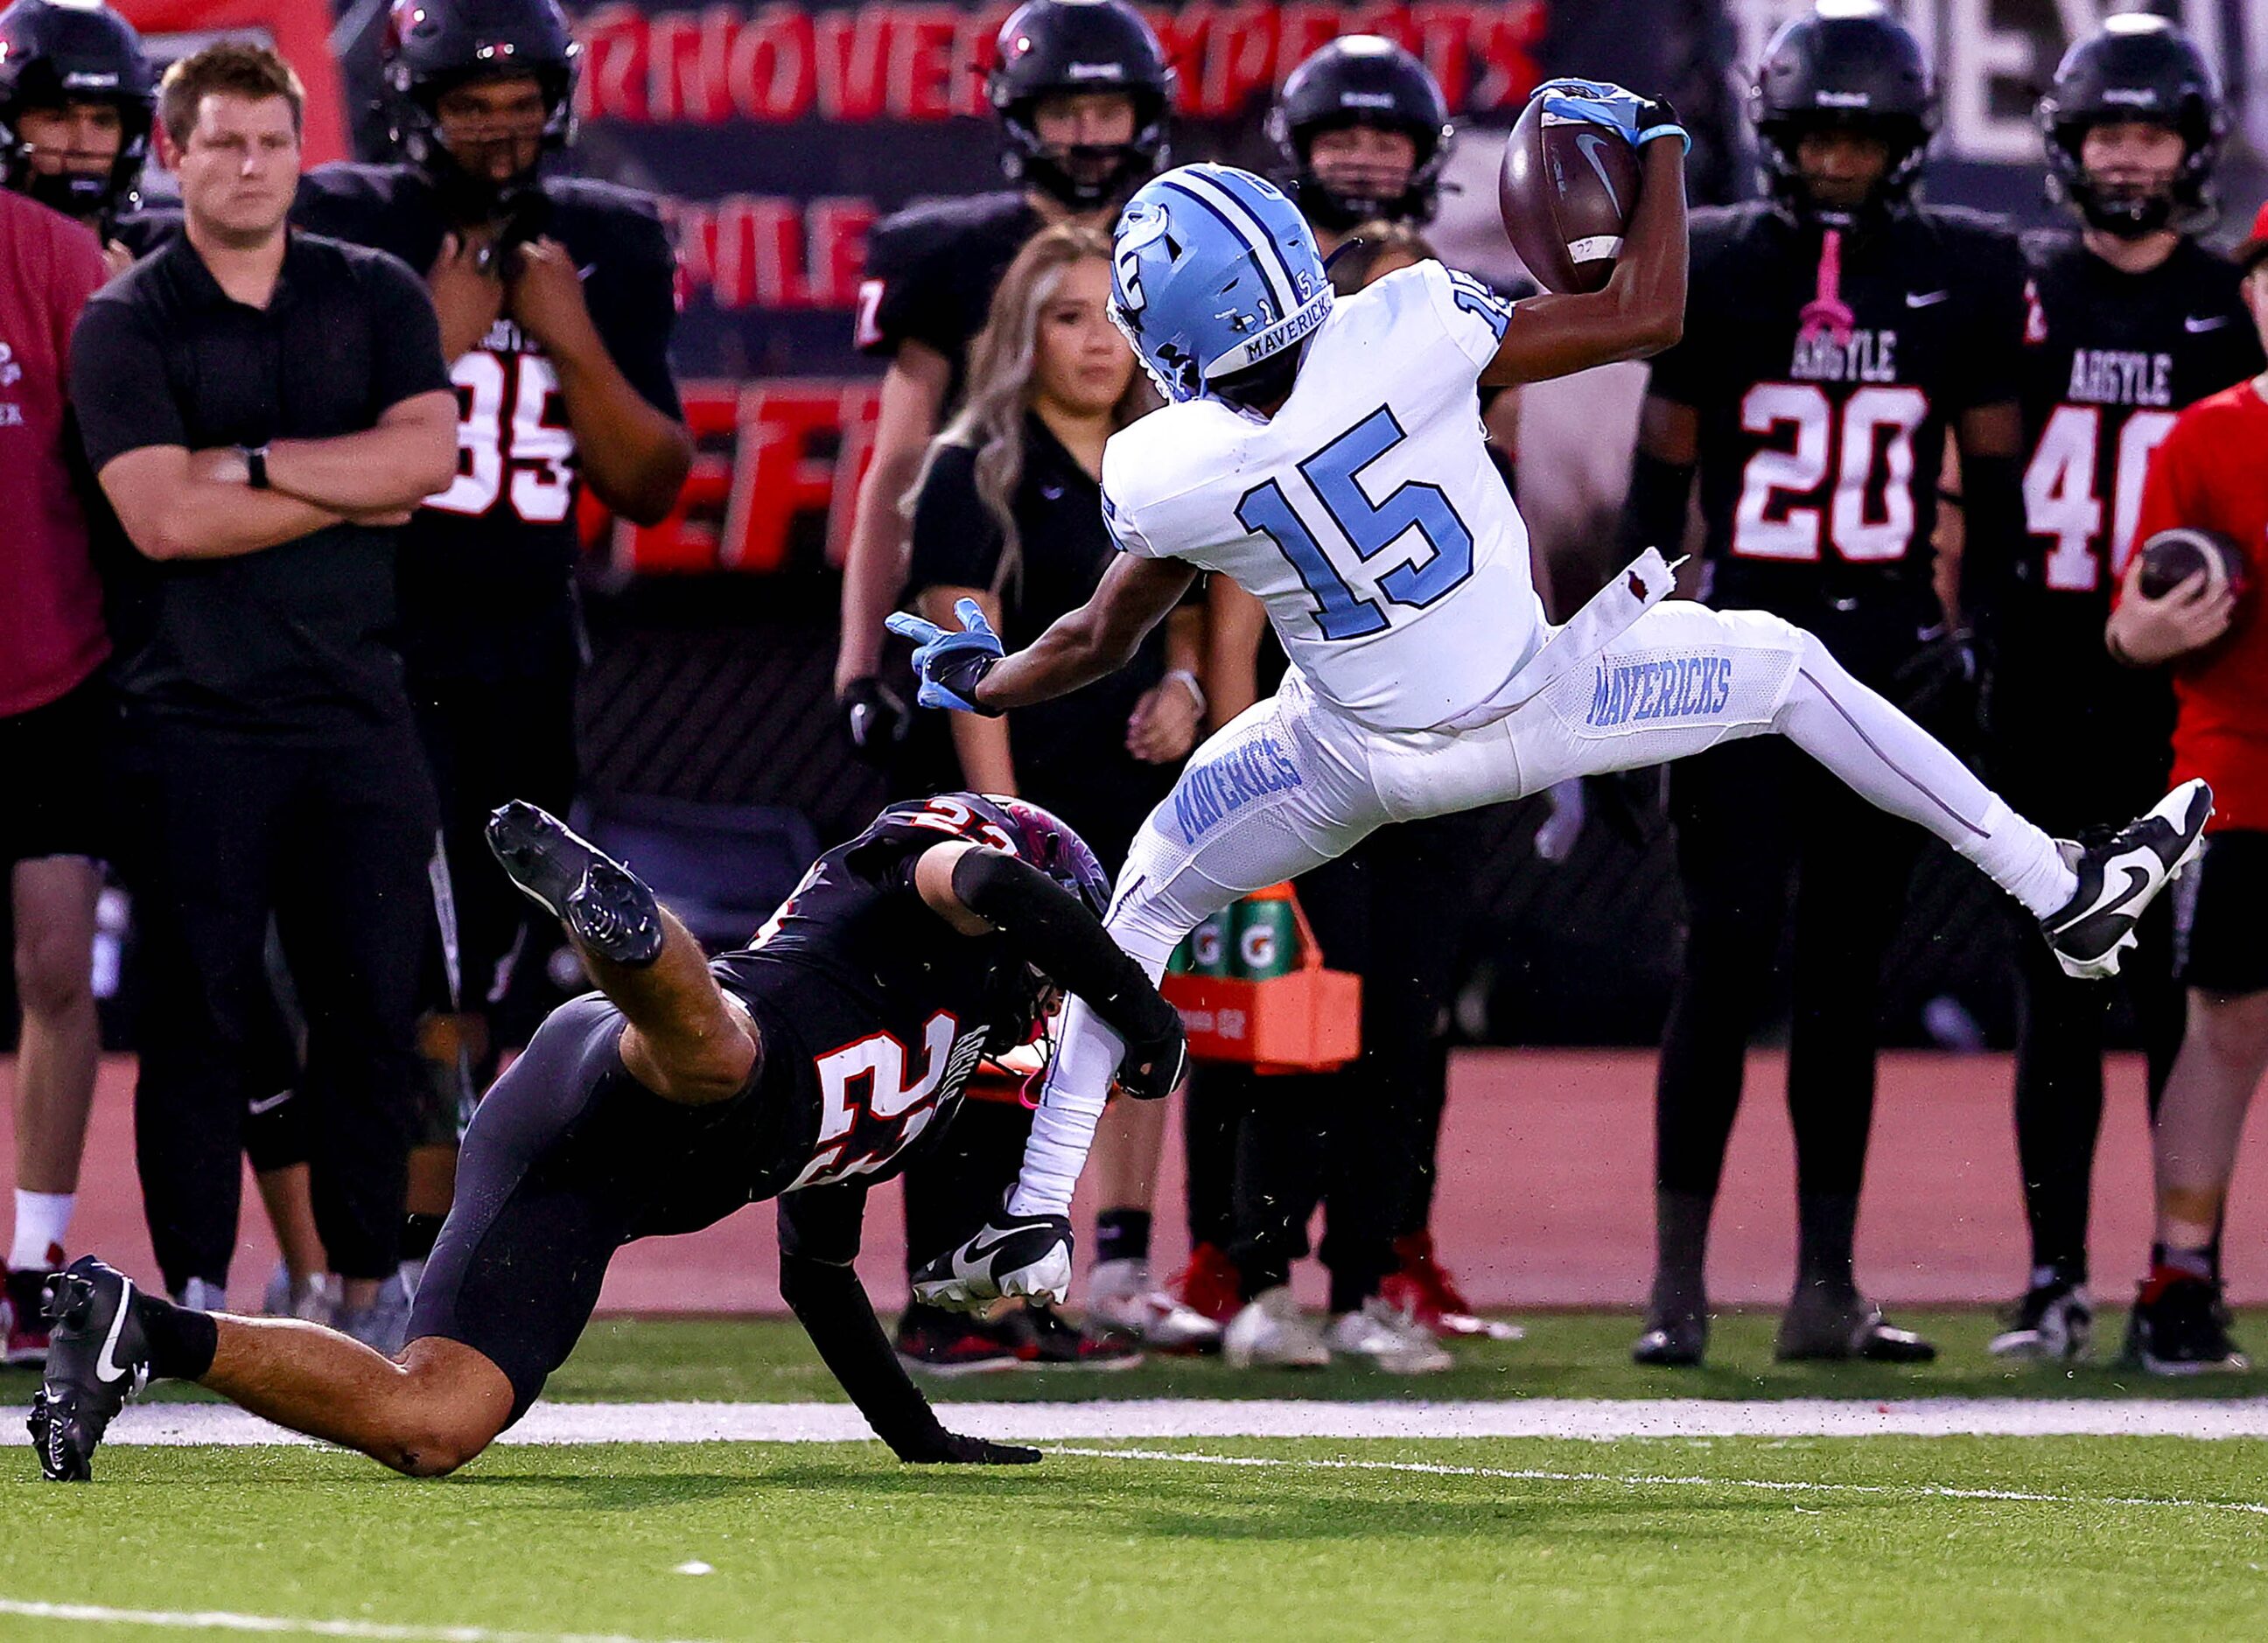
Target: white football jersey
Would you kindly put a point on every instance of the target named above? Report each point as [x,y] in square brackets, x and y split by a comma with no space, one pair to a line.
[1364,515]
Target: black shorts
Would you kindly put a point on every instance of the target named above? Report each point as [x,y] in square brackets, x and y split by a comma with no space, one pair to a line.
[568,1157]
[2218,914]
[53,763]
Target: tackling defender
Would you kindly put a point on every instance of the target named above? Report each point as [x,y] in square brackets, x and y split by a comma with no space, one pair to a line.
[1330,460]
[802,1068]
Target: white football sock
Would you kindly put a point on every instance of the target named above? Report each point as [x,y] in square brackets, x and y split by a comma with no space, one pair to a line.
[42,1220]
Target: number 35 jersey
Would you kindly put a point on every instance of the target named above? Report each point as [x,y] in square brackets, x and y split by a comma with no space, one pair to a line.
[1365,515]
[1821,443]
[2109,360]
[486,564]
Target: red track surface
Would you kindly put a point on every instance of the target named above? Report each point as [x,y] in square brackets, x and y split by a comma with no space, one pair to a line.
[1545,1195]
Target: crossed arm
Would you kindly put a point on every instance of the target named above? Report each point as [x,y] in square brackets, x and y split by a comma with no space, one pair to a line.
[179,504]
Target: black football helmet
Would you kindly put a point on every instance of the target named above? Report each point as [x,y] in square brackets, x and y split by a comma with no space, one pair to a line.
[1048,46]
[434,45]
[1046,841]
[51,55]
[1850,65]
[2139,68]
[1361,80]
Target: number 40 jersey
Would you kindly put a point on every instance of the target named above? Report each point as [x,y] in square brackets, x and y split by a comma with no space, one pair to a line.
[485,566]
[1365,514]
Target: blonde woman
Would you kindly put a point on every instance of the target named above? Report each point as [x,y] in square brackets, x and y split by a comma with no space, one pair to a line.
[1008,512]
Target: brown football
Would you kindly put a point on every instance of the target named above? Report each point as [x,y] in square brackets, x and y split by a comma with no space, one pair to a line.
[1566,189]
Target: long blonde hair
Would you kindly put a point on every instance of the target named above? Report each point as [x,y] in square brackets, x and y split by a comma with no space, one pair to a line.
[1001,361]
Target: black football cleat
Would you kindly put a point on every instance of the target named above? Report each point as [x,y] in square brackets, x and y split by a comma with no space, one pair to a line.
[2180,1327]
[605,907]
[98,1358]
[1820,1329]
[1677,1341]
[2054,1322]
[2118,879]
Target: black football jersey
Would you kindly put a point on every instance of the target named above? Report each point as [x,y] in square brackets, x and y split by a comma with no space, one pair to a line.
[931,272]
[1819,455]
[2108,359]
[872,1008]
[486,565]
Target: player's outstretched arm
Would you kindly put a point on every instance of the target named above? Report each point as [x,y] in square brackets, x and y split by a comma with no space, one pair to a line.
[1641,310]
[967,670]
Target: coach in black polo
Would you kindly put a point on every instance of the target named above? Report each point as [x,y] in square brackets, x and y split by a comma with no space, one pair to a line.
[263,408]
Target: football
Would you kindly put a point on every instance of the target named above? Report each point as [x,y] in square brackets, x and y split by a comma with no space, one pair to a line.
[1566,189]
[2173,556]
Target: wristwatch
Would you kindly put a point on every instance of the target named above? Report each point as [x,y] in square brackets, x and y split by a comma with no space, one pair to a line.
[255,464]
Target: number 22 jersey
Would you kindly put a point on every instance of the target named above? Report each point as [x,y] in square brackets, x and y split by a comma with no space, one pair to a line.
[486,564]
[1365,515]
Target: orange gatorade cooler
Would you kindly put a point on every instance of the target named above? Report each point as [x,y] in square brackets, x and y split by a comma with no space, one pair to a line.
[1276,1009]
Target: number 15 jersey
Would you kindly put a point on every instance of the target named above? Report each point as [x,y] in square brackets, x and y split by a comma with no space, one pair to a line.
[1364,515]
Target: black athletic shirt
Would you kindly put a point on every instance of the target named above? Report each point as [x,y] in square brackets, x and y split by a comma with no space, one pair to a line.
[2109,358]
[487,566]
[1070,753]
[289,641]
[874,1012]
[931,272]
[1819,461]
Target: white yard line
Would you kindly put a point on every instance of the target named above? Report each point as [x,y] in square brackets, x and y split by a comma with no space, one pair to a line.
[1597,1419]
[285,1625]
[1926,1491]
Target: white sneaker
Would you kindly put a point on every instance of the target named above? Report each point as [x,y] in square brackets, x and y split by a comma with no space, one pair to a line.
[312,1299]
[202,1295]
[1389,1341]
[1121,1295]
[1271,1333]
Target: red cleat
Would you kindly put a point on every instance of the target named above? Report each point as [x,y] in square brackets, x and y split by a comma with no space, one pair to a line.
[1423,1288]
[26,1320]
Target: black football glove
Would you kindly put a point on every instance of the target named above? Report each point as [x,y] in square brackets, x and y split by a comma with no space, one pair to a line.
[951,1448]
[1153,1068]
[874,717]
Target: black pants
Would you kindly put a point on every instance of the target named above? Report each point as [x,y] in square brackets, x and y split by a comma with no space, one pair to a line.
[487,742]
[2060,1032]
[334,839]
[1360,1141]
[1751,817]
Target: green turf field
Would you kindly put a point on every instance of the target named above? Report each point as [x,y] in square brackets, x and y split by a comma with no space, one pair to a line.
[1690,1539]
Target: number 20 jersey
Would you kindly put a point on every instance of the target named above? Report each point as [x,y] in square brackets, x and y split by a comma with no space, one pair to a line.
[1819,453]
[486,564]
[1365,515]
[2109,360]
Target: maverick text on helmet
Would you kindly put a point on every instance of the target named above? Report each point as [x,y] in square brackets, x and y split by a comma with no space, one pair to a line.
[54,55]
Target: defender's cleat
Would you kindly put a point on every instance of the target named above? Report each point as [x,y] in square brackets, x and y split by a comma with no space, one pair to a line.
[2053,1324]
[2180,1327]
[605,906]
[1824,1329]
[98,1358]
[1271,1333]
[2120,879]
[948,1344]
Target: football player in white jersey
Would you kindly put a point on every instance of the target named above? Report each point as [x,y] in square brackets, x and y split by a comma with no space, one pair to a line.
[1331,460]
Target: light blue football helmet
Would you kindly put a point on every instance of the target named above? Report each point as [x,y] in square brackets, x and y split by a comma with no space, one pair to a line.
[1212,272]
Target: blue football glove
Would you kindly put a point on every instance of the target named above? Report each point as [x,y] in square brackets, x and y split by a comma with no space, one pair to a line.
[1637,120]
[951,665]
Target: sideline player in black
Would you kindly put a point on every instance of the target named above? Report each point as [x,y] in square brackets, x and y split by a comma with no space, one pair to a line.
[77,100]
[1837,331]
[557,301]
[2130,320]
[802,1068]
[1082,89]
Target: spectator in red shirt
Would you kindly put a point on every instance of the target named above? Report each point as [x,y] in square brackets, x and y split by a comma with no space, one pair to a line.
[53,714]
[2211,474]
